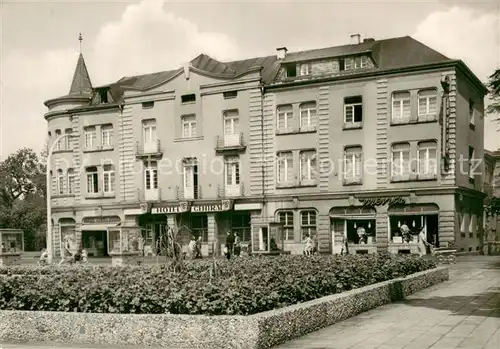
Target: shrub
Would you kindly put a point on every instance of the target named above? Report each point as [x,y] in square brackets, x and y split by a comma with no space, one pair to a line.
[245,286]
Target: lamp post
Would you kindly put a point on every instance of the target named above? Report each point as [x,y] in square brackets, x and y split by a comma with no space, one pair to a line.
[49,194]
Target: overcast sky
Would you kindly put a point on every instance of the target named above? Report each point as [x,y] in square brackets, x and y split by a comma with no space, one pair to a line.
[39,46]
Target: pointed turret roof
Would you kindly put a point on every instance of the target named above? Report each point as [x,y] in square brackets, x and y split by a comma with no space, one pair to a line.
[81,84]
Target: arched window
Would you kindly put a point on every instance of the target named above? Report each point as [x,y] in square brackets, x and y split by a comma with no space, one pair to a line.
[60,181]
[71,181]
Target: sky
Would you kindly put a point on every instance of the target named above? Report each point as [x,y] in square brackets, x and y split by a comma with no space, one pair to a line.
[39,46]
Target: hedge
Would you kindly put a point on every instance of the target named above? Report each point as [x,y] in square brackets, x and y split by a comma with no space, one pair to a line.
[243,286]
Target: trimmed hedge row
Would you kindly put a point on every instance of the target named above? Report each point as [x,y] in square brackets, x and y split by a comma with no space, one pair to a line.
[244,286]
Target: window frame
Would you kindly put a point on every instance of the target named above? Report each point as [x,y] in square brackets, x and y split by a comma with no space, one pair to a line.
[349,104]
[427,114]
[151,175]
[284,158]
[288,117]
[472,118]
[308,227]
[407,149]
[311,110]
[190,122]
[109,179]
[60,182]
[232,164]
[107,134]
[67,138]
[288,223]
[308,69]
[93,173]
[233,119]
[70,174]
[90,137]
[149,128]
[427,146]
[355,154]
[311,165]
[396,97]
[472,153]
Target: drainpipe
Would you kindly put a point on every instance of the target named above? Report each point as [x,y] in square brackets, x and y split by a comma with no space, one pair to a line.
[263,170]
[122,155]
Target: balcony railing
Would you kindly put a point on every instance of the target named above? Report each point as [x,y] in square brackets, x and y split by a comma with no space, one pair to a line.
[148,149]
[188,193]
[231,191]
[149,194]
[230,142]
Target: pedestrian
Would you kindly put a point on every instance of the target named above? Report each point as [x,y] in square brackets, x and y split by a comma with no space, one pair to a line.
[422,243]
[309,245]
[192,247]
[229,244]
[237,245]
[198,248]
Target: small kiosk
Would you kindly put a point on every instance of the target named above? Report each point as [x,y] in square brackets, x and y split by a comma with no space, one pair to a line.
[12,246]
[125,245]
[267,238]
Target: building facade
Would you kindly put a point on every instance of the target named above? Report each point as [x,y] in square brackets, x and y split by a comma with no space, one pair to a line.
[372,135]
[492,191]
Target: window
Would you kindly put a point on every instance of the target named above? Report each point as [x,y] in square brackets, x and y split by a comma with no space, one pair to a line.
[92,180]
[90,137]
[189,126]
[471,162]
[67,138]
[427,158]
[463,218]
[308,115]
[353,109]
[305,69]
[401,107]
[285,117]
[291,70]
[232,168]
[71,181]
[308,223]
[190,98]
[307,165]
[103,94]
[149,131]
[151,175]
[472,225]
[471,111]
[108,179]
[348,63]
[230,94]
[148,105]
[285,167]
[353,163]
[107,135]
[231,122]
[427,103]
[286,218]
[401,159]
[59,140]
[360,62]
[60,182]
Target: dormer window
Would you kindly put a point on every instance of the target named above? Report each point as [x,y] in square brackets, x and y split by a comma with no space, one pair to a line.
[360,62]
[305,69]
[291,71]
[103,95]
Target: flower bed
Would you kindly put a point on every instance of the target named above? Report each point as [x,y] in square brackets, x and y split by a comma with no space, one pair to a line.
[244,286]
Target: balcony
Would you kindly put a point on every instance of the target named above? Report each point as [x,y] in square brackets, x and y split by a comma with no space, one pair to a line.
[230,142]
[146,195]
[231,191]
[148,150]
[188,193]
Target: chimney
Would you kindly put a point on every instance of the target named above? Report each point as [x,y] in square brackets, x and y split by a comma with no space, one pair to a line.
[369,40]
[355,39]
[281,52]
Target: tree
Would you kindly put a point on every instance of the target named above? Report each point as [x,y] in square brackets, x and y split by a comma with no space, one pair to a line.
[22,195]
[494,87]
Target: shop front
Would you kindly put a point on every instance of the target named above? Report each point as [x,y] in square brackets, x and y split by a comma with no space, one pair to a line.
[94,237]
[355,226]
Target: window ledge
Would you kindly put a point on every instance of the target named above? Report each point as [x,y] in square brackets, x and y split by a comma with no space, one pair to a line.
[308,183]
[99,149]
[62,151]
[188,139]
[287,185]
[188,103]
[59,196]
[352,181]
[403,178]
[425,119]
[307,129]
[100,195]
[472,126]
[352,125]
[426,176]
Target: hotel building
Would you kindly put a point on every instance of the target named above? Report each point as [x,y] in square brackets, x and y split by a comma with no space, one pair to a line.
[372,134]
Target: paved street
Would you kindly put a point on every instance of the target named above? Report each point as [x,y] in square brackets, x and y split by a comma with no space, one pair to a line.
[461,313]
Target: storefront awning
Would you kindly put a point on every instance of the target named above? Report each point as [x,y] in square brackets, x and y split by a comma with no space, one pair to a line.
[353,217]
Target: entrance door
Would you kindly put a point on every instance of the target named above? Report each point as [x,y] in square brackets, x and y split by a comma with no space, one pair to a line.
[96,243]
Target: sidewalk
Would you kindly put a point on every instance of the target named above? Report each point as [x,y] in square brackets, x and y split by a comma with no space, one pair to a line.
[461,313]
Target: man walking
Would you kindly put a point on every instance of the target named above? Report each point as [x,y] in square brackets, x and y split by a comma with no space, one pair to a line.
[229,244]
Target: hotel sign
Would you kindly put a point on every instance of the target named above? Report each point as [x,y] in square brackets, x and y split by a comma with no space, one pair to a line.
[224,205]
[370,202]
[182,207]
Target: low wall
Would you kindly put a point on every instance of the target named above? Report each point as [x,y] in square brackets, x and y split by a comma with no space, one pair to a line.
[257,331]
